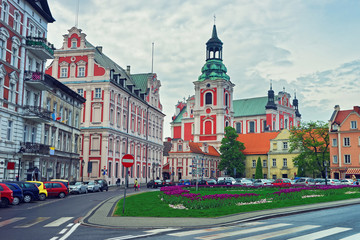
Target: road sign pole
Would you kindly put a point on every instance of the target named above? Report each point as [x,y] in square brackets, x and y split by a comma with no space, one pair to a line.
[126,180]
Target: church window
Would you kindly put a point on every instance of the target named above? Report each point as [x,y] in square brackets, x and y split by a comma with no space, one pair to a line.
[286,124]
[226,99]
[238,127]
[226,124]
[251,127]
[208,127]
[208,85]
[208,98]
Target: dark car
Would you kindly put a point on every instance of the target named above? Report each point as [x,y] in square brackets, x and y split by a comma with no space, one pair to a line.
[6,195]
[56,189]
[168,182]
[200,182]
[154,184]
[224,182]
[103,184]
[17,192]
[30,190]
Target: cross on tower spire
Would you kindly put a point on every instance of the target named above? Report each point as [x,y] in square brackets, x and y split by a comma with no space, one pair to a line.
[214,19]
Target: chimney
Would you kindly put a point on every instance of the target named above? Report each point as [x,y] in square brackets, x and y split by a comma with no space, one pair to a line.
[357,109]
[99,48]
[337,108]
[128,69]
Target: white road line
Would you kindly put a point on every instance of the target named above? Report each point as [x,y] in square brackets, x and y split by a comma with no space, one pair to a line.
[58,222]
[353,237]
[63,231]
[155,231]
[193,232]
[76,225]
[245,231]
[321,234]
[122,237]
[11,220]
[35,221]
[53,238]
[280,233]
[69,225]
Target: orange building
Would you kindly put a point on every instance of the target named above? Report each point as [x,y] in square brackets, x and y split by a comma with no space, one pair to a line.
[344,136]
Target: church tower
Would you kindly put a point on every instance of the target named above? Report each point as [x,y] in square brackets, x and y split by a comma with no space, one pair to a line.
[213,109]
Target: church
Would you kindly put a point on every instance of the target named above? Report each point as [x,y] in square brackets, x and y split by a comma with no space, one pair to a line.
[198,124]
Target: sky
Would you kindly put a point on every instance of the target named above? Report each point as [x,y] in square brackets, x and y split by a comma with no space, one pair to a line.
[310,48]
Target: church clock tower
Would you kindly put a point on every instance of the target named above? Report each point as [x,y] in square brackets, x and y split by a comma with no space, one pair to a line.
[213,110]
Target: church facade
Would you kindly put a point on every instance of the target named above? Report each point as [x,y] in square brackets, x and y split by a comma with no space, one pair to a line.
[203,117]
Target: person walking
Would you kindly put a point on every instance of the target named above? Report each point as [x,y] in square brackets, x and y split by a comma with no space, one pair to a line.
[136,184]
[118,182]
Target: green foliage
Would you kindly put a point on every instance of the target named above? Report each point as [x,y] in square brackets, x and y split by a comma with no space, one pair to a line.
[259,171]
[231,154]
[311,139]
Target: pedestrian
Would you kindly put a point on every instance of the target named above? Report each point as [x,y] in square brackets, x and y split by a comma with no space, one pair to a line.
[136,184]
[118,182]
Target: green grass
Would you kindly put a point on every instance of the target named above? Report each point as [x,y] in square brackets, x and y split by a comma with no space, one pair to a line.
[149,204]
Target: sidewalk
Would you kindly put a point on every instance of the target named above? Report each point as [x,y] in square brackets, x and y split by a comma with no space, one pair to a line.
[101,216]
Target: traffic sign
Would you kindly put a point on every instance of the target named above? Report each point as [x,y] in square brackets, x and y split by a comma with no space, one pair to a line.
[128,160]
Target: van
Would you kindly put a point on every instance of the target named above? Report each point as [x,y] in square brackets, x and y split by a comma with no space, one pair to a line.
[233,181]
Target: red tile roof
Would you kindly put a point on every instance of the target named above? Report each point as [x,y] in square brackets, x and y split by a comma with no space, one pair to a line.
[196,148]
[341,116]
[257,143]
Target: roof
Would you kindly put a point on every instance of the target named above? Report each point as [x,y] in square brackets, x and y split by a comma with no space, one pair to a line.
[257,143]
[341,115]
[179,116]
[42,7]
[141,79]
[195,148]
[250,106]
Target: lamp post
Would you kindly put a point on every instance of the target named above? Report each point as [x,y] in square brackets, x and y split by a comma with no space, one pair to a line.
[82,170]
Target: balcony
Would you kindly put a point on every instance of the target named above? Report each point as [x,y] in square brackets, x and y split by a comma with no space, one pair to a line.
[40,47]
[36,80]
[36,114]
[34,148]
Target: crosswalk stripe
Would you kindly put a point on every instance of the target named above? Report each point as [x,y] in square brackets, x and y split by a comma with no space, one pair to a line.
[280,233]
[11,220]
[245,231]
[58,222]
[193,232]
[35,221]
[155,231]
[321,234]
[353,237]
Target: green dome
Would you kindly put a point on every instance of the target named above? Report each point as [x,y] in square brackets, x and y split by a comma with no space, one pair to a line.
[213,69]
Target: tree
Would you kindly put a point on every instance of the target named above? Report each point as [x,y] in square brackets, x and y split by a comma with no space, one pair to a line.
[259,171]
[312,140]
[232,158]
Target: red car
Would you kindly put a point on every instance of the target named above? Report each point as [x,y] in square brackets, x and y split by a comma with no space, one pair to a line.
[282,182]
[6,195]
[56,189]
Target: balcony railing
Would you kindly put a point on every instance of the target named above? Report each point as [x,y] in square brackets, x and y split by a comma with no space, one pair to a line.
[41,44]
[34,148]
[36,112]
[33,76]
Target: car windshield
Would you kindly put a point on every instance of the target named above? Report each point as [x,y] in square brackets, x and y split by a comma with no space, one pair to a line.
[91,183]
[77,183]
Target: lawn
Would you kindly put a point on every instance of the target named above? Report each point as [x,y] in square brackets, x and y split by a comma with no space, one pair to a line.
[221,201]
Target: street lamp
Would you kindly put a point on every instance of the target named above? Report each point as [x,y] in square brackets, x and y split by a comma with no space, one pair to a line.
[82,170]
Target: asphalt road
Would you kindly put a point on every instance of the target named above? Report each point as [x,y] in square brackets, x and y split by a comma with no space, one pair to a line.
[49,219]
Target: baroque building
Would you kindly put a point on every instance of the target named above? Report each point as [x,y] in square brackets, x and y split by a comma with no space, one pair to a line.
[122,113]
[202,118]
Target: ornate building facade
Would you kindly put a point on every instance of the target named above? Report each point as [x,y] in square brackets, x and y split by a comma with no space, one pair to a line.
[122,114]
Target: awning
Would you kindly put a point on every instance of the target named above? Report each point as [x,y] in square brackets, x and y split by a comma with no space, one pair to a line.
[166,167]
[353,171]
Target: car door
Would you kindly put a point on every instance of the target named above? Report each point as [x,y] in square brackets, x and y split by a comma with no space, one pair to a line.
[50,189]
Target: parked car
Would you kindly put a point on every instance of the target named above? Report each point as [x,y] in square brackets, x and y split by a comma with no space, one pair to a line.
[233,181]
[30,190]
[17,192]
[262,182]
[64,181]
[103,184]
[347,181]
[331,181]
[42,190]
[304,181]
[56,189]
[282,182]
[6,195]
[93,186]
[224,182]
[77,187]
[200,182]
[184,182]
[210,181]
[243,182]
[168,182]
[154,184]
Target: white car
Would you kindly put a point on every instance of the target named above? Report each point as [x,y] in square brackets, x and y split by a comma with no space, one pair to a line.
[262,182]
[244,182]
[93,186]
[78,187]
[347,181]
[233,181]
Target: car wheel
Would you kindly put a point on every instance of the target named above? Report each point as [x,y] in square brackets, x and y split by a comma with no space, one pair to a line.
[16,201]
[42,196]
[107,189]
[101,190]
[27,198]
[4,202]
[62,195]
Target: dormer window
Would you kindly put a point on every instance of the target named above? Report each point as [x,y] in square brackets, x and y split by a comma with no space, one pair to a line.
[179,147]
[74,43]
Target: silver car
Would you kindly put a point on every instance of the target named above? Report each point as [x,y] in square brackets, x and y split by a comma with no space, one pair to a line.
[93,186]
[78,187]
[262,182]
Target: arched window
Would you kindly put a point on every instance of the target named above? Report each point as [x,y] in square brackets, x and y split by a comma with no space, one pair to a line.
[226,99]
[5,12]
[226,124]
[17,22]
[286,124]
[208,127]
[208,98]
[4,35]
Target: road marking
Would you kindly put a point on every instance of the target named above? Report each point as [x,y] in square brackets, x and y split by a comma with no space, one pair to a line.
[280,233]
[353,237]
[53,238]
[251,230]
[155,231]
[58,222]
[70,231]
[193,232]
[35,221]
[122,237]
[11,220]
[322,234]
